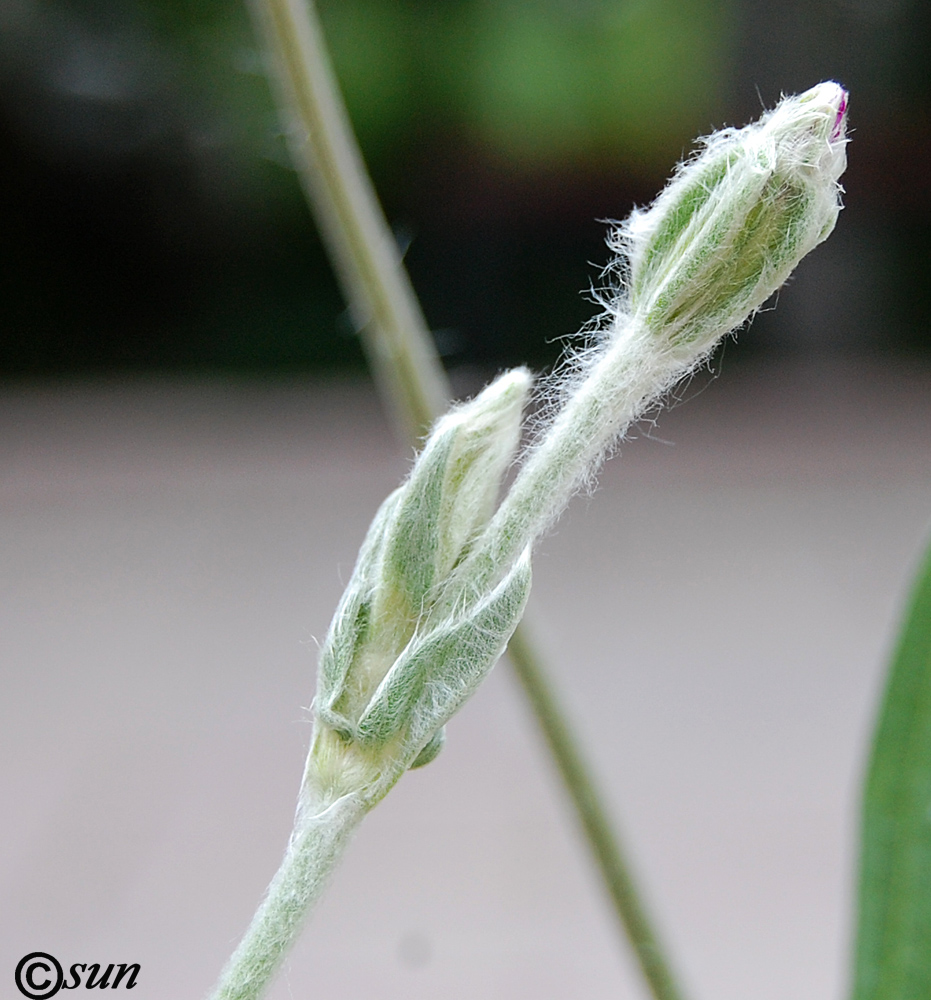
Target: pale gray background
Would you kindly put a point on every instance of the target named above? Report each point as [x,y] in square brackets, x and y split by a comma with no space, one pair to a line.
[717,617]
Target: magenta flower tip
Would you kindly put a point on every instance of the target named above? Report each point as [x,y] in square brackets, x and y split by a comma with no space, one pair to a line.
[839,120]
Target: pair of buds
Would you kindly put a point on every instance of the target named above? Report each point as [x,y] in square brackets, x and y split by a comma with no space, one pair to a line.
[444,573]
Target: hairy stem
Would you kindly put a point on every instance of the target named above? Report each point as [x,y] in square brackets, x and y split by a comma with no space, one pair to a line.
[632,372]
[406,366]
[316,846]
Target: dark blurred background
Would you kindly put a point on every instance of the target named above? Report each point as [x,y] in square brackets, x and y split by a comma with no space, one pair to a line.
[152,223]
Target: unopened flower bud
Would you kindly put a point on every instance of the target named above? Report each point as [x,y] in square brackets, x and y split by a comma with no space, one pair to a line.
[723,236]
[736,219]
[449,496]
[395,665]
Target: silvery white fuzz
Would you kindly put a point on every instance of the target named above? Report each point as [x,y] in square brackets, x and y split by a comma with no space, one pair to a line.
[398,660]
[443,575]
[724,235]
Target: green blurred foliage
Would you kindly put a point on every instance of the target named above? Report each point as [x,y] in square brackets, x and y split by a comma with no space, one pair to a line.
[554,83]
[536,82]
[171,232]
[154,220]
[581,83]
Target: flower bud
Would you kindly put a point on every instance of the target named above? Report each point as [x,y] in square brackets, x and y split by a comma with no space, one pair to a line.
[736,219]
[438,670]
[395,664]
[449,496]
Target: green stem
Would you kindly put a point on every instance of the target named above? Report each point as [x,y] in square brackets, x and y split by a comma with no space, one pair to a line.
[362,248]
[634,370]
[316,846]
[603,839]
[406,366]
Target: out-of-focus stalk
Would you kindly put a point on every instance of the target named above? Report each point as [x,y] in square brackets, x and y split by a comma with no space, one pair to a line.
[362,248]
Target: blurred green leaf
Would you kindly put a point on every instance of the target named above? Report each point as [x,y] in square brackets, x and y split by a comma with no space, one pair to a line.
[561,83]
[369,41]
[893,958]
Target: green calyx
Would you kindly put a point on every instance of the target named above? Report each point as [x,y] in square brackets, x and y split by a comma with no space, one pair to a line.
[736,219]
[398,660]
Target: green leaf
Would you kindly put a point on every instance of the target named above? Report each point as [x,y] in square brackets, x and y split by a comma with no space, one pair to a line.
[893,959]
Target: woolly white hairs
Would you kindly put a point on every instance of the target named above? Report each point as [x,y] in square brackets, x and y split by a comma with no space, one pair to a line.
[722,237]
[442,577]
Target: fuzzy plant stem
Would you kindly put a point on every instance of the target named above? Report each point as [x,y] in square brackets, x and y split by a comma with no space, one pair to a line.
[316,846]
[625,378]
[406,366]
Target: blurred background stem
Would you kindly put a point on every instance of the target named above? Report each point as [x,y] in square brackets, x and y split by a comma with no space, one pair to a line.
[362,248]
[603,839]
[407,368]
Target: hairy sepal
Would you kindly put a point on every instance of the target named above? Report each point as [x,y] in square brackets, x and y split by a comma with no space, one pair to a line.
[418,537]
[351,624]
[438,671]
[447,500]
[735,221]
